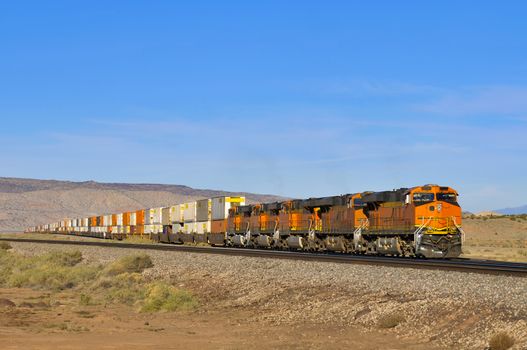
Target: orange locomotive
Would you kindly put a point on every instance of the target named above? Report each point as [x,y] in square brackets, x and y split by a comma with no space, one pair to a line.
[420,221]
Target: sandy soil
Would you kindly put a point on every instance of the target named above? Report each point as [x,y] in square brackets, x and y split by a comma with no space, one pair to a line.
[501,238]
[260,303]
[42,321]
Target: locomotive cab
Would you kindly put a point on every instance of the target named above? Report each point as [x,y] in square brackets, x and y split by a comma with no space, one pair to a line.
[437,221]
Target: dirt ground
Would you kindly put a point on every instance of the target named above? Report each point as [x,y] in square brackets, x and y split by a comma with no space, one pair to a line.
[39,320]
[502,238]
[245,302]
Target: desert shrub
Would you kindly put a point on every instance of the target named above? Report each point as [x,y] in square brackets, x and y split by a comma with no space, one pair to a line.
[128,264]
[125,288]
[5,246]
[164,297]
[501,341]
[52,277]
[390,320]
[85,299]
[120,282]
[55,271]
[60,258]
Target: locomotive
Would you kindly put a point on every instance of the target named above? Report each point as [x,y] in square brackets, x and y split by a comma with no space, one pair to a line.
[422,221]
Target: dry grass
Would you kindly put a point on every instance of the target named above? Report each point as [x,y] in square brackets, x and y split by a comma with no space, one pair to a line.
[5,245]
[163,297]
[390,320]
[501,341]
[120,282]
[53,271]
[129,264]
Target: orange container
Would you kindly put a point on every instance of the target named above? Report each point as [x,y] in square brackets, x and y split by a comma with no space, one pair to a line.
[126,219]
[140,217]
[218,226]
[139,229]
[114,219]
[93,221]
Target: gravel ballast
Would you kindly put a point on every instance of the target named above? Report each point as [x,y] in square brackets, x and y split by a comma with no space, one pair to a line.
[451,309]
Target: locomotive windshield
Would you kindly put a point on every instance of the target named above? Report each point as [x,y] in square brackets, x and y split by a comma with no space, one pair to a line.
[423,197]
[447,197]
[358,203]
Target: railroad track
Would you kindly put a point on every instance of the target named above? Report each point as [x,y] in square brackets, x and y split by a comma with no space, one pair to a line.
[458,264]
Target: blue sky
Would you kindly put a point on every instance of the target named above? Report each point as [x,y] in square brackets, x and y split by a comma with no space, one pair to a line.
[299,98]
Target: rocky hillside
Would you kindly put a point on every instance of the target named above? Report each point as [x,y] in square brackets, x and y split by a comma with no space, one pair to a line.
[28,202]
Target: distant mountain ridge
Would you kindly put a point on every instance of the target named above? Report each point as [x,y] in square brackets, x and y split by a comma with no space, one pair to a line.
[28,202]
[513,211]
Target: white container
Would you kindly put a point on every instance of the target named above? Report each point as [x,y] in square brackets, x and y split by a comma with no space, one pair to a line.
[203,209]
[176,213]
[133,216]
[120,219]
[189,212]
[221,206]
[153,216]
[203,227]
[166,218]
[189,227]
[107,220]
[177,228]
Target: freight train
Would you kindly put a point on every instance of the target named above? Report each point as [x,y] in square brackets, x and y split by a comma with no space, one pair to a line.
[422,221]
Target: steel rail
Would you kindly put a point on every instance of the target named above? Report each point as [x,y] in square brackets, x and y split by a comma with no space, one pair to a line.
[458,264]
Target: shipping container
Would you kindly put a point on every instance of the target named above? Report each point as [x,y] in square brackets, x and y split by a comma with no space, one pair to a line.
[221,206]
[189,212]
[119,219]
[133,218]
[189,227]
[153,216]
[218,229]
[107,220]
[218,226]
[177,227]
[203,209]
[140,217]
[114,219]
[176,213]
[166,216]
[202,231]
[202,227]
[126,219]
